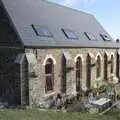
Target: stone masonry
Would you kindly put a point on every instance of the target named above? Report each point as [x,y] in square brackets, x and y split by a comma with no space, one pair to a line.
[37,84]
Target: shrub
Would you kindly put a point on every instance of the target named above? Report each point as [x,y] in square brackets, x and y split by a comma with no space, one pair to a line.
[106,87]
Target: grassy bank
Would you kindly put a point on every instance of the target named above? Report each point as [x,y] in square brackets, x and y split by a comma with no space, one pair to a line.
[33,114]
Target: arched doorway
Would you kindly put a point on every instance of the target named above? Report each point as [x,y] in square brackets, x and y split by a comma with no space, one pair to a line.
[105,67]
[88,71]
[78,73]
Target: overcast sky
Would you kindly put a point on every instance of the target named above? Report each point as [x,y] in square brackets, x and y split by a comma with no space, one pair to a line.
[107,12]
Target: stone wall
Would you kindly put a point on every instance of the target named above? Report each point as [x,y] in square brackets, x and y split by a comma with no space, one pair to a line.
[9,78]
[24,82]
[12,75]
[37,84]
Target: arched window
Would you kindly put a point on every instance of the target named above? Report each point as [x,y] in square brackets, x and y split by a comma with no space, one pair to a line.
[112,64]
[88,71]
[117,65]
[98,67]
[105,67]
[64,74]
[78,73]
[49,75]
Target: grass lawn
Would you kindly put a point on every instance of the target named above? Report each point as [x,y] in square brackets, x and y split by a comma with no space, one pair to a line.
[33,114]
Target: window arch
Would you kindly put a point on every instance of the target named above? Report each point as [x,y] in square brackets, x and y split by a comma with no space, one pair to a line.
[78,55]
[78,73]
[98,67]
[112,64]
[49,56]
[49,75]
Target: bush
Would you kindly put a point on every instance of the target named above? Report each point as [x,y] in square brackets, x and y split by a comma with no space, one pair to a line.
[103,88]
[106,87]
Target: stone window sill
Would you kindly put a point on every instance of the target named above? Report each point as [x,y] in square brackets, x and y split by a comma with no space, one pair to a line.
[49,94]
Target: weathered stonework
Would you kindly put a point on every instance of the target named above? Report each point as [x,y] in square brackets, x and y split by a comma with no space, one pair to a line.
[37,84]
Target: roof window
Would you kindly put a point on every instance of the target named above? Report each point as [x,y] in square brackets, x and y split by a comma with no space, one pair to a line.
[42,31]
[69,34]
[90,36]
[105,37]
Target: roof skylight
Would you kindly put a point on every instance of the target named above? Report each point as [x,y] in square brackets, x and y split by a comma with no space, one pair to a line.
[41,31]
[69,34]
[90,36]
[105,37]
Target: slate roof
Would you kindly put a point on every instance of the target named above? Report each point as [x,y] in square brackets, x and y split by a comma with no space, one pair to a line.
[24,13]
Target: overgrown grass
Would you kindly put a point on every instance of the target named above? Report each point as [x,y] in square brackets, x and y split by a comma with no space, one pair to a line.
[34,114]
